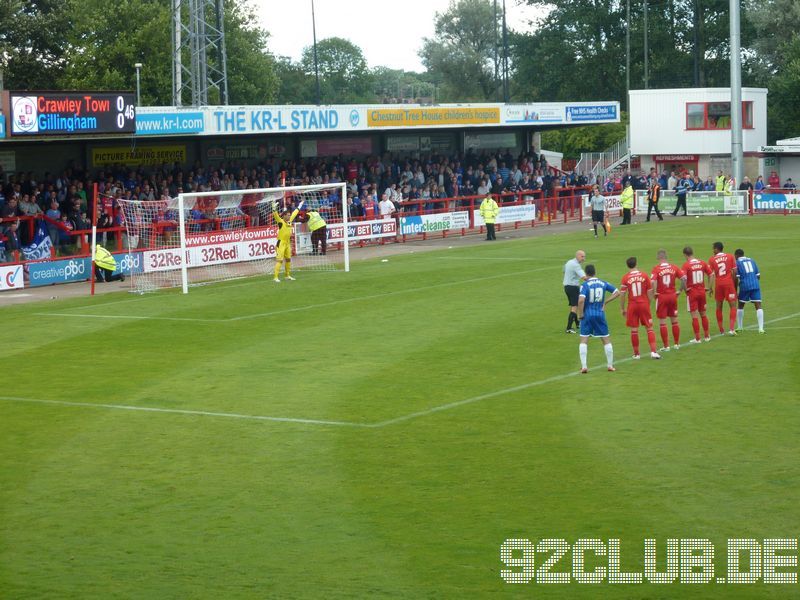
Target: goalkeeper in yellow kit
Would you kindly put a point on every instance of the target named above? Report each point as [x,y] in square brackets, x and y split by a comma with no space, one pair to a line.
[283,251]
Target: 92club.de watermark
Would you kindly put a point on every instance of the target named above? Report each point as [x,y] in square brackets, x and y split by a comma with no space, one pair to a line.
[676,560]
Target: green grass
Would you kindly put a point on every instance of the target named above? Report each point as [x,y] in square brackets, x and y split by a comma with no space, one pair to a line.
[99,502]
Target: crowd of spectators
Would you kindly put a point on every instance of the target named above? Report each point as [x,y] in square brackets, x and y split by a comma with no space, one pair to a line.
[65,198]
[672,180]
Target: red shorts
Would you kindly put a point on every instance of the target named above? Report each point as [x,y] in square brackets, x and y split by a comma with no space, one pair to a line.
[667,306]
[696,299]
[639,314]
[725,292]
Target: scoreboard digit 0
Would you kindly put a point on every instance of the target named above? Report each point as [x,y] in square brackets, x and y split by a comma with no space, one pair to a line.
[72,113]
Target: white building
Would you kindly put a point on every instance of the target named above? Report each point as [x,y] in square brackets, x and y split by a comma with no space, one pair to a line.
[689,129]
[783,158]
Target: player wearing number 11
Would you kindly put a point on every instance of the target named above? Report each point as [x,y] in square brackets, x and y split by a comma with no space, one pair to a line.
[591,305]
[637,290]
[749,288]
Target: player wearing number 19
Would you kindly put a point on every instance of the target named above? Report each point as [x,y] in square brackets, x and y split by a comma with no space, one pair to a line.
[591,312]
[749,288]
[637,290]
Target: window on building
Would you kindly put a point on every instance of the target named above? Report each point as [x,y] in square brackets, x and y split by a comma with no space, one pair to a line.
[716,115]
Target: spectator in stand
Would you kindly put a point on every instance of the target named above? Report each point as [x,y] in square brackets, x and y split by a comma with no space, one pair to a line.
[13,243]
[789,185]
[746,184]
[697,184]
[719,182]
[54,214]
[28,207]
[683,188]
[672,181]
[709,185]
[774,181]
[65,239]
[11,208]
[759,185]
[386,206]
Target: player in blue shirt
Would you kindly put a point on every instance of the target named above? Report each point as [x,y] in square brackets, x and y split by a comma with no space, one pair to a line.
[749,288]
[592,315]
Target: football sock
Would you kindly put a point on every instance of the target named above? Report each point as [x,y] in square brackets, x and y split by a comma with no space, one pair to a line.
[664,335]
[719,320]
[732,319]
[651,339]
[706,325]
[583,350]
[635,341]
[739,318]
[288,268]
[676,333]
[277,268]
[609,354]
[696,327]
[760,317]
[595,228]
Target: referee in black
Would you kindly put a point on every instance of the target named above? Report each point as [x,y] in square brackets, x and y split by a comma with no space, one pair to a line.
[573,276]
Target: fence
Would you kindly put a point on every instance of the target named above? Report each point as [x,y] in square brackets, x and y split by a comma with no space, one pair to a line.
[68,254]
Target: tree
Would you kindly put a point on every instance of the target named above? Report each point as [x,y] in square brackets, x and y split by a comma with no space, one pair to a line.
[462,51]
[344,75]
[93,45]
[32,44]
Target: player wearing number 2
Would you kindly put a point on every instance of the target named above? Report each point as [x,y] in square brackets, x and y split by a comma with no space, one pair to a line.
[591,312]
[749,288]
[696,271]
[664,276]
[636,289]
[723,268]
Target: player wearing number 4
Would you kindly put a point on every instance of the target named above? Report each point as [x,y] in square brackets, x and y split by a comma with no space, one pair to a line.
[283,251]
[723,268]
[749,288]
[591,305]
[664,276]
[637,290]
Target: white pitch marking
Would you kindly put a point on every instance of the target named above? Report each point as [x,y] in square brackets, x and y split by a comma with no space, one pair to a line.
[202,413]
[379,424]
[524,386]
[301,308]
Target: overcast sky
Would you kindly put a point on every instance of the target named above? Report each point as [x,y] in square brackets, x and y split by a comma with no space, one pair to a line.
[388,32]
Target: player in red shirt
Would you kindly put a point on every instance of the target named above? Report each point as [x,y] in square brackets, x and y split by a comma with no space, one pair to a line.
[636,289]
[664,276]
[696,271]
[723,267]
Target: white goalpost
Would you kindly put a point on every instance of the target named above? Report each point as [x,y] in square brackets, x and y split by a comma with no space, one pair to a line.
[204,237]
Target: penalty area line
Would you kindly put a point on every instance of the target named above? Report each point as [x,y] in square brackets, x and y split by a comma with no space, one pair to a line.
[178,411]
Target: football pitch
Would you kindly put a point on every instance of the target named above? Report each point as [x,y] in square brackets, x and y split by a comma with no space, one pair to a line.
[383,432]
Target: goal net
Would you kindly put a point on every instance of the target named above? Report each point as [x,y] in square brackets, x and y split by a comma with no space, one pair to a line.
[204,237]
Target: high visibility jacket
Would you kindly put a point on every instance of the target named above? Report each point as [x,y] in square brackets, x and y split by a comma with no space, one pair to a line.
[104,259]
[315,221]
[489,210]
[626,198]
[720,183]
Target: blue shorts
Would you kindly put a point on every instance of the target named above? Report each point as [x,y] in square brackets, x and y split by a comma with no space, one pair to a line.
[594,326]
[750,295]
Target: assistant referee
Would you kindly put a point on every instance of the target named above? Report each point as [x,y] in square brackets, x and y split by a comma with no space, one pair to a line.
[573,276]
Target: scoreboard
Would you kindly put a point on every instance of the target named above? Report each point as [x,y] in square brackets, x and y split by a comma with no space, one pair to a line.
[72,113]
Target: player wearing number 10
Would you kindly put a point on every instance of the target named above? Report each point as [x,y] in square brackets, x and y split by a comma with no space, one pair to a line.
[637,290]
[696,271]
[591,305]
